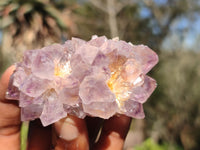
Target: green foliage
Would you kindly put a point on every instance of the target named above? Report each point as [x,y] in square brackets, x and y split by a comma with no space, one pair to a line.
[149,144]
[24,135]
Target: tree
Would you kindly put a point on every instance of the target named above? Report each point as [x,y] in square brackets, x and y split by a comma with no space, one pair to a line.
[33,24]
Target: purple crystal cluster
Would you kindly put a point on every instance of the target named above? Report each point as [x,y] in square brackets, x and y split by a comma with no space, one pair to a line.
[99,78]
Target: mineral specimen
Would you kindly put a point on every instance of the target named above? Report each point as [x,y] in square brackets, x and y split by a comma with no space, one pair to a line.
[98,78]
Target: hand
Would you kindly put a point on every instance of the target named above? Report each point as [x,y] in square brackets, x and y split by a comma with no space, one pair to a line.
[70,133]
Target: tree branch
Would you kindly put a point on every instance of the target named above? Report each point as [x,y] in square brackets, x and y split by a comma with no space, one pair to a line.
[112,20]
[99,4]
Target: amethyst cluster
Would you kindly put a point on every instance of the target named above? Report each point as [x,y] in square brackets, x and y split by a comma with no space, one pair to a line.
[98,78]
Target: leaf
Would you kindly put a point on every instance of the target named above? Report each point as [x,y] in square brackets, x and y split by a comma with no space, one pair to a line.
[6,21]
[24,134]
[53,12]
[4,2]
[27,8]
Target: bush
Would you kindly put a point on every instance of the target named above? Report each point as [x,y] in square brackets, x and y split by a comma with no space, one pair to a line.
[149,144]
[173,112]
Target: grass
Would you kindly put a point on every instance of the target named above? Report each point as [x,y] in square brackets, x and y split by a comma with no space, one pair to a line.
[24,134]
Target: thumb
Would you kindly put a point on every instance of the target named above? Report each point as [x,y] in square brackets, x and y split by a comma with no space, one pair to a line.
[71,134]
[9,116]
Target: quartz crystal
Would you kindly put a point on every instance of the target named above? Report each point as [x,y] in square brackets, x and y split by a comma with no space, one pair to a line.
[100,78]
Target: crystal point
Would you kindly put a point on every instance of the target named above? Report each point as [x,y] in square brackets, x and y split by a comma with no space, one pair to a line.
[51,103]
[101,109]
[142,93]
[34,86]
[134,109]
[147,57]
[31,112]
[93,89]
[43,65]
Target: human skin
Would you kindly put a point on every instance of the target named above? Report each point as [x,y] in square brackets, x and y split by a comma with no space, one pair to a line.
[70,133]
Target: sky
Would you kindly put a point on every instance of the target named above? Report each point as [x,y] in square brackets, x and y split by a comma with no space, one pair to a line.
[184,33]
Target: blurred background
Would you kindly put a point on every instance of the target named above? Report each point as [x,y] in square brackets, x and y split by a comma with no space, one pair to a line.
[170,27]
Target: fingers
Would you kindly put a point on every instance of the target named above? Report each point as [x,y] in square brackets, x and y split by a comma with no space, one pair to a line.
[93,125]
[9,116]
[71,134]
[39,137]
[4,82]
[113,134]
[9,111]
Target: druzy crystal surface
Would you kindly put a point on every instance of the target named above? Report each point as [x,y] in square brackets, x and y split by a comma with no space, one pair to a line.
[99,77]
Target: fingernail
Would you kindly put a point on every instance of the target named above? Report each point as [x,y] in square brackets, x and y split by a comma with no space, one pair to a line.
[69,131]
